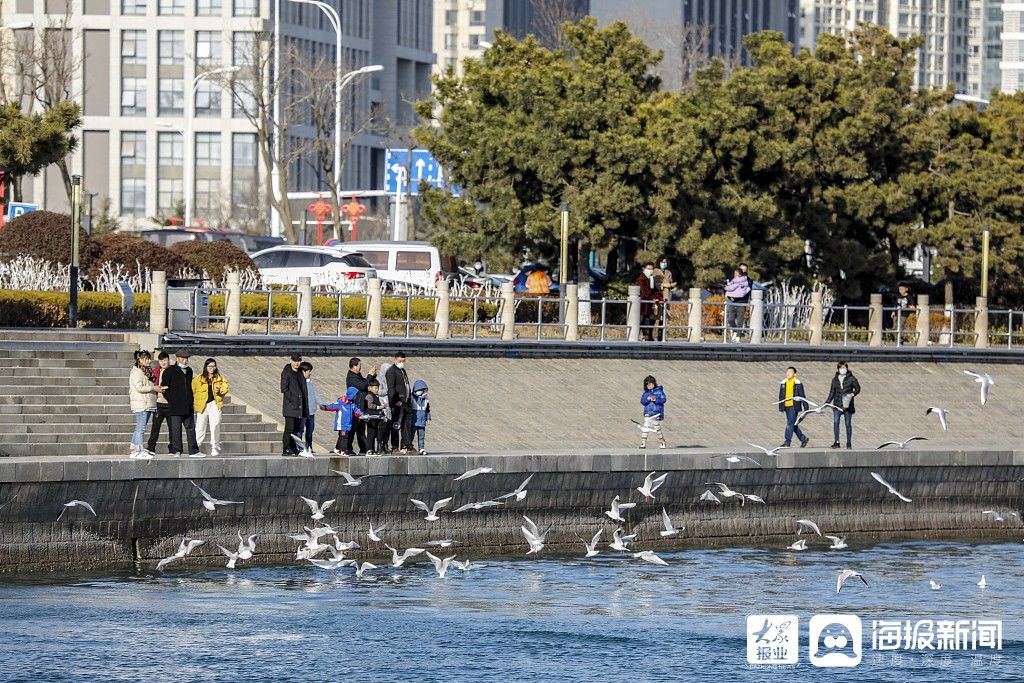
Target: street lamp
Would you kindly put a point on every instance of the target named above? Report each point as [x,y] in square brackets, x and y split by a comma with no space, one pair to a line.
[984,260]
[187,134]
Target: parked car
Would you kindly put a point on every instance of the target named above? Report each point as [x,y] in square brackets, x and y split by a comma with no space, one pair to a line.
[327,267]
[165,237]
[410,263]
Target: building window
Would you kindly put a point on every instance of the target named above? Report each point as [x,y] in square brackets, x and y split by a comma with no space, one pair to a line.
[207,197]
[208,98]
[133,96]
[474,42]
[244,192]
[170,151]
[451,16]
[168,195]
[171,96]
[133,6]
[171,8]
[133,47]
[207,149]
[133,196]
[245,8]
[208,47]
[451,40]
[208,8]
[476,18]
[133,148]
[243,48]
[172,47]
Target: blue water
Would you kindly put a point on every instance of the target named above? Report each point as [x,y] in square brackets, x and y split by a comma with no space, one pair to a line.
[610,618]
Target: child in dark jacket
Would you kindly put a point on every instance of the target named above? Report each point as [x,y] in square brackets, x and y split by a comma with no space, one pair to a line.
[345,414]
[376,419]
[421,414]
[653,401]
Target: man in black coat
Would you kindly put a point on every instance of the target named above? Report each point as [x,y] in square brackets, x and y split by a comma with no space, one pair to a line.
[355,379]
[399,391]
[295,404]
[180,411]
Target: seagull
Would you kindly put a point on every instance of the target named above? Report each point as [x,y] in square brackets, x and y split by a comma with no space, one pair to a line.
[232,557]
[534,536]
[644,429]
[211,503]
[649,556]
[801,399]
[669,530]
[477,506]
[431,512]
[935,585]
[373,534]
[651,484]
[246,547]
[725,491]
[520,492]
[815,411]
[848,574]
[70,504]
[798,545]
[467,565]
[398,560]
[474,472]
[316,508]
[592,546]
[985,380]
[996,517]
[809,525]
[186,546]
[312,545]
[769,451]
[982,584]
[752,497]
[737,458]
[620,542]
[440,565]
[901,444]
[336,562]
[348,545]
[443,543]
[613,512]
[838,542]
[708,497]
[889,486]
[349,479]
[304,450]
[360,568]
[941,412]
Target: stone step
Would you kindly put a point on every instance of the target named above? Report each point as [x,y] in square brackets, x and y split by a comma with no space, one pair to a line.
[229,432]
[111,420]
[124,353]
[80,401]
[118,371]
[34,405]
[46,334]
[233,424]
[27,385]
[228,447]
[120,364]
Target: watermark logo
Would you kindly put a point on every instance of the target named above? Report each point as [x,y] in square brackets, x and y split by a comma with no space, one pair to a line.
[772,639]
[834,640]
[937,634]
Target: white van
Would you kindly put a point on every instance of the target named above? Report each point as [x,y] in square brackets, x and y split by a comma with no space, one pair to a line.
[411,263]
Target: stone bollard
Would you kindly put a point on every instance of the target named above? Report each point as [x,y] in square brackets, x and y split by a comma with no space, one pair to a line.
[508,311]
[875,320]
[442,304]
[633,314]
[696,318]
[817,321]
[981,323]
[572,312]
[233,304]
[756,316]
[158,302]
[305,307]
[373,308]
[924,320]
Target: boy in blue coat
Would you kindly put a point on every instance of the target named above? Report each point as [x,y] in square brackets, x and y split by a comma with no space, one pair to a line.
[653,401]
[421,414]
[345,415]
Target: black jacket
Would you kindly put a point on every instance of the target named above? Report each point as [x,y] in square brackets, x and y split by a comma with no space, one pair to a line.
[370,404]
[293,387]
[354,379]
[844,385]
[179,390]
[398,386]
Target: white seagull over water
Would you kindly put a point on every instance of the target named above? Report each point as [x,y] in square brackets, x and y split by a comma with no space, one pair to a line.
[982,584]
[349,479]
[467,565]
[443,543]
[336,562]
[316,508]
[431,511]
[373,534]
[440,565]
[669,530]
[651,484]
[998,516]
[520,492]
[889,486]
[769,451]
[726,492]
[838,542]
[941,412]
[798,545]
[902,444]
[592,546]
[478,506]
[848,574]
[398,560]
[533,535]
[360,568]
[246,546]
[474,472]
[808,525]
[649,556]
[232,556]
[186,546]
[935,585]
[620,542]
[985,380]
[613,512]
[211,503]
[70,504]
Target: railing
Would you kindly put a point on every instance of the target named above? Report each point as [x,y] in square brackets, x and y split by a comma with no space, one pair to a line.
[604,319]
[397,315]
[848,325]
[269,319]
[480,324]
[339,323]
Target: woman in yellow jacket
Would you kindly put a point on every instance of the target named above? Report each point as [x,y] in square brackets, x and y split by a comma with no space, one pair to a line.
[208,392]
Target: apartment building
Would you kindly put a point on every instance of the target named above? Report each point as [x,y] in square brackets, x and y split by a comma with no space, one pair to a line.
[1011,66]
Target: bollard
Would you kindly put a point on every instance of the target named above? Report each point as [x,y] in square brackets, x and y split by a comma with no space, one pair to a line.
[158,302]
[875,320]
[817,319]
[756,316]
[924,320]
[633,314]
[981,323]
[305,307]
[508,311]
[373,308]
[572,312]
[442,304]
[696,318]
[233,305]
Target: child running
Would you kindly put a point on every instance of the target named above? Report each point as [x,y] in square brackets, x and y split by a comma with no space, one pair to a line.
[346,413]
[653,401]
[421,414]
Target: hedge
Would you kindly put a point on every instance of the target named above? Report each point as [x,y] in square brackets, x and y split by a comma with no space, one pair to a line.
[47,235]
[126,249]
[216,258]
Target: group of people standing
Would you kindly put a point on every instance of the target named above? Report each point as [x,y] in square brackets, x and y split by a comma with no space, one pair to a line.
[378,414]
[171,393]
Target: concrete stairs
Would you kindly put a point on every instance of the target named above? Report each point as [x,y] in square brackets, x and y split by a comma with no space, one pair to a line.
[66,394]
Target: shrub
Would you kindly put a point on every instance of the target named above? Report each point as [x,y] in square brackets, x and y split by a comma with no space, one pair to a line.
[50,309]
[215,258]
[46,235]
[125,249]
[712,312]
[255,306]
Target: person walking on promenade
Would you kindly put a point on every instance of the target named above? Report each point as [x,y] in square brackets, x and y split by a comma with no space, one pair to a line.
[312,404]
[178,380]
[376,421]
[842,392]
[346,413]
[653,401]
[790,390]
[399,391]
[161,415]
[650,302]
[355,379]
[294,403]
[737,291]
[142,393]
[208,392]
[663,279]
[420,405]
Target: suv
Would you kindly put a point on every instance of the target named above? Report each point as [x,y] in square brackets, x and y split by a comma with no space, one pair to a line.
[327,267]
[249,243]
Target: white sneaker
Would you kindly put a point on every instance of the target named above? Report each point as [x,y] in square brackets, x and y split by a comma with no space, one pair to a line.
[143,455]
[133,454]
[215,452]
[643,444]
[197,455]
[148,453]
[661,445]
[176,455]
[423,451]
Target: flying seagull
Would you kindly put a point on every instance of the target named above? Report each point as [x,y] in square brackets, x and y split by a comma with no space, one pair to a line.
[360,568]
[533,535]
[246,546]
[838,542]
[848,574]
[708,497]
[373,534]
[467,565]
[520,492]
[304,450]
[186,546]
[336,562]
[799,399]
[769,451]
[901,444]
[232,556]
[443,543]
[613,512]
[316,508]
[941,412]
[649,556]
[669,530]
[726,492]
[815,411]
[985,380]
[440,565]
[211,503]
[398,560]
[474,472]
[620,542]
[431,511]
[806,524]
[734,458]
[73,503]
[798,545]
[477,506]
[889,486]
[651,484]
[349,479]
[644,429]
[592,546]
[996,517]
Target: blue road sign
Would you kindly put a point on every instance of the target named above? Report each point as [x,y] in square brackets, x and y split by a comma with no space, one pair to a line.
[15,209]
[413,166]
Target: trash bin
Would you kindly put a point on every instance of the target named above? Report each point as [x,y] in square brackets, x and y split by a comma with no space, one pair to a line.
[187,301]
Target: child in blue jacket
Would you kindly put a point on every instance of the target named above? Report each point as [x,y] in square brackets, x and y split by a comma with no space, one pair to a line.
[345,415]
[421,413]
[653,401]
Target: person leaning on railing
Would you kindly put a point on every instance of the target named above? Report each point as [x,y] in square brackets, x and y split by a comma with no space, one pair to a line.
[737,291]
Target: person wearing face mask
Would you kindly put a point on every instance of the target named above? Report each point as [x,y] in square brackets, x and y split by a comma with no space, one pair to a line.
[844,388]
[399,391]
[663,278]
[650,301]
[178,382]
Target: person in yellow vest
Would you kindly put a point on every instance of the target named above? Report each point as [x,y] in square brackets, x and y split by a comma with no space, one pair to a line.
[792,400]
[208,392]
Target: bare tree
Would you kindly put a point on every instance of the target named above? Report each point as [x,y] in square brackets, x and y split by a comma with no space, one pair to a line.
[549,18]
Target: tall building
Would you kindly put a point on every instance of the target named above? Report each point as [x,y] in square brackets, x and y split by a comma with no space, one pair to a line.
[985,47]
[139,62]
[688,29]
[1011,67]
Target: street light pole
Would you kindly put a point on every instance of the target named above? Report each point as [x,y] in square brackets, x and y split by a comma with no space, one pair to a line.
[563,266]
[984,260]
[76,210]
